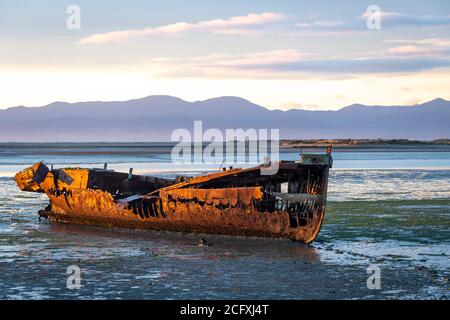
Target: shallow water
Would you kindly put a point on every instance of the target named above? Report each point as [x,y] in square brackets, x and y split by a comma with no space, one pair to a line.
[398,220]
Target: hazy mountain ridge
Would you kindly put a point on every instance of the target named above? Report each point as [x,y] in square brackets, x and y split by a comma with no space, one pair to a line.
[153,118]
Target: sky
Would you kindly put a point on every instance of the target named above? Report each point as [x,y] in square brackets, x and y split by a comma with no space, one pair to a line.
[316,55]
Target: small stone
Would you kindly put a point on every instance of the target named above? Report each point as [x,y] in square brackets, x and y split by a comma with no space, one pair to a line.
[203,242]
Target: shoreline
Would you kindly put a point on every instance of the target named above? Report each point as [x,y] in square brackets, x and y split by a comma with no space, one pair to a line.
[286,145]
[366,143]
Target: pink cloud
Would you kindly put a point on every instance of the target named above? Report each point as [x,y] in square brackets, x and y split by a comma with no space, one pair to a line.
[417,51]
[234,25]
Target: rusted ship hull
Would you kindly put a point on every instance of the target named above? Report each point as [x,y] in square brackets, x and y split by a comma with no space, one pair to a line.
[289,204]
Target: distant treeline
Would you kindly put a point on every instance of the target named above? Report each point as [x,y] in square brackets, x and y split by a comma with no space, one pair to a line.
[359,142]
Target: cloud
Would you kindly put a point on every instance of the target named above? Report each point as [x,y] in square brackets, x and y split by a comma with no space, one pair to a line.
[393,19]
[222,65]
[412,50]
[239,25]
[290,62]
[419,48]
[353,66]
[429,41]
[263,58]
[413,102]
[296,105]
[388,20]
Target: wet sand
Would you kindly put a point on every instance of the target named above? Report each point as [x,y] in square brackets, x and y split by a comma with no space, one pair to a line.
[158,265]
[411,252]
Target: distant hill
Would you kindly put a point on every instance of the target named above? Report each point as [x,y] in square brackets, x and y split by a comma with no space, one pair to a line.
[154,118]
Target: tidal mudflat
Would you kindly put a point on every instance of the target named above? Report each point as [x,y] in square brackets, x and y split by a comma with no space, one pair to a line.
[387,209]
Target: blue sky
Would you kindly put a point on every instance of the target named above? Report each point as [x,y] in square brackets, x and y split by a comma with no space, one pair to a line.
[280,54]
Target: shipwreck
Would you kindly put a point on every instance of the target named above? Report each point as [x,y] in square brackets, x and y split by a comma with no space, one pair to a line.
[290,203]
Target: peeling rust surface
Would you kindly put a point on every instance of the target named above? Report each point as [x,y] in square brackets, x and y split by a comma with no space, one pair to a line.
[220,197]
[289,204]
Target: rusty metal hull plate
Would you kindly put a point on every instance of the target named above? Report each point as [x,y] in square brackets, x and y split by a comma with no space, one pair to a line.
[238,202]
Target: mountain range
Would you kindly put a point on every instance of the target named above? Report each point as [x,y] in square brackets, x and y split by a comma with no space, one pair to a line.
[153,118]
